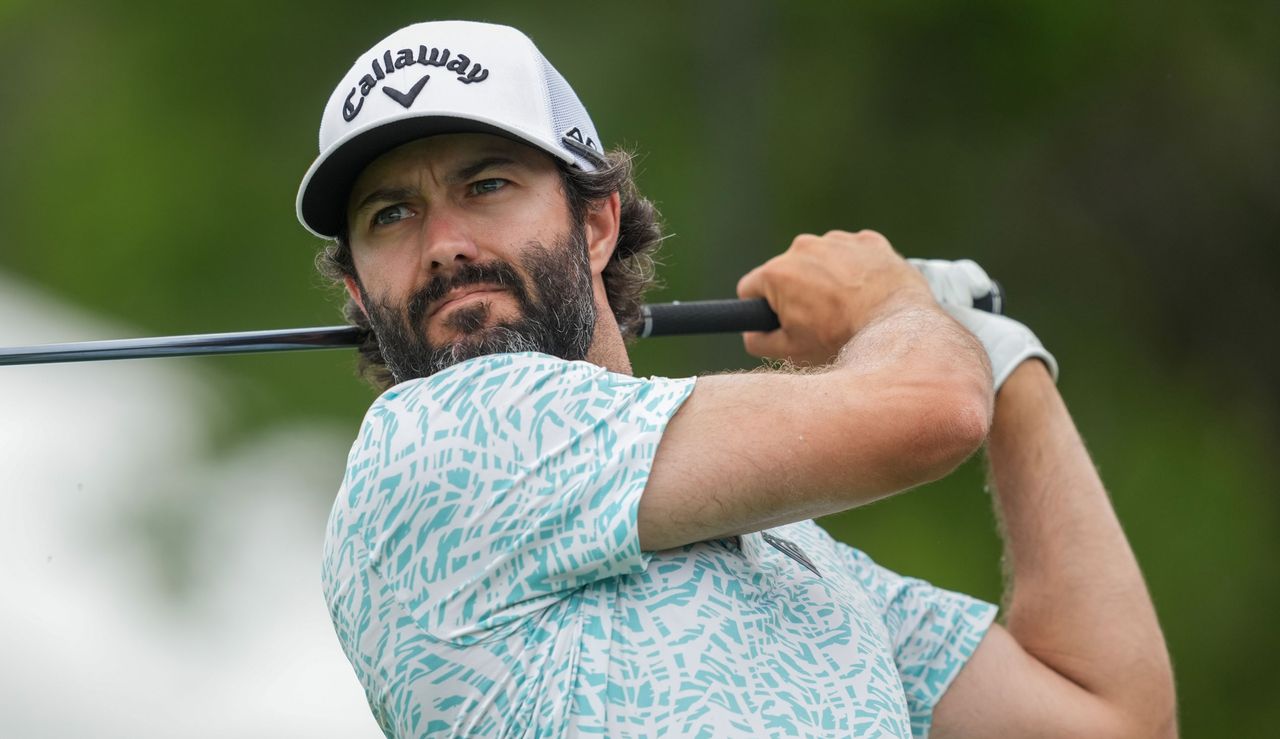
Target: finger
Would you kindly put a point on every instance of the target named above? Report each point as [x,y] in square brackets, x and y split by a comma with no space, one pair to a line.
[752,284]
[771,344]
[978,279]
[934,273]
[953,286]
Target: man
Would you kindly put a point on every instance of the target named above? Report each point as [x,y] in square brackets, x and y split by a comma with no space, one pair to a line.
[528,540]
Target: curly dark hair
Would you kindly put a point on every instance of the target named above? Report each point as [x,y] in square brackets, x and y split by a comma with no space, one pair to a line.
[629,274]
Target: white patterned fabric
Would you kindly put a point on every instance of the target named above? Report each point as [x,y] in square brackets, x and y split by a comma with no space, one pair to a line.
[484,575]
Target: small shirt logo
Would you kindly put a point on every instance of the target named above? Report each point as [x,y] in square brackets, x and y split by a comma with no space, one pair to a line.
[792,550]
[460,64]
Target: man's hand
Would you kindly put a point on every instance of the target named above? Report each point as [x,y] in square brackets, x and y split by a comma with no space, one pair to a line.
[825,289]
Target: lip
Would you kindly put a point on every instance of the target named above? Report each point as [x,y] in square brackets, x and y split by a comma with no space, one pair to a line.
[462,293]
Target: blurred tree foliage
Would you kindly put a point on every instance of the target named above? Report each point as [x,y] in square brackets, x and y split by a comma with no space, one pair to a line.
[1117,167]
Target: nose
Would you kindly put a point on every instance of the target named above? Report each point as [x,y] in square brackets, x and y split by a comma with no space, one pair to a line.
[445,242]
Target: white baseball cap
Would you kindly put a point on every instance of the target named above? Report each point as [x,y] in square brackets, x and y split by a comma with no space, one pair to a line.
[441,77]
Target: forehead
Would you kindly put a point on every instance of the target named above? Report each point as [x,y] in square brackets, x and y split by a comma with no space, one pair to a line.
[437,156]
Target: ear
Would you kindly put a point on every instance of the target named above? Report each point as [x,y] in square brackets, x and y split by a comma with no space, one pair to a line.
[601,226]
[353,290]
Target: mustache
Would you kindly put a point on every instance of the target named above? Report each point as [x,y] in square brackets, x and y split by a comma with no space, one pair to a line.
[499,274]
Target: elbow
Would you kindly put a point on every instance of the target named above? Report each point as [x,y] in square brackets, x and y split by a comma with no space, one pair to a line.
[1167,726]
[1156,722]
[973,409]
[956,421]
[911,428]
[1157,714]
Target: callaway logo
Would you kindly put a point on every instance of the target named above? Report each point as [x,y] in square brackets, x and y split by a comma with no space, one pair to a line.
[427,57]
[406,98]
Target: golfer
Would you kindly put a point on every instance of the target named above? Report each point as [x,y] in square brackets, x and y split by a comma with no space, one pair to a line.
[530,541]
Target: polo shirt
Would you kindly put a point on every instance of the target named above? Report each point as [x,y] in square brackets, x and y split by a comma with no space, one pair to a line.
[483,571]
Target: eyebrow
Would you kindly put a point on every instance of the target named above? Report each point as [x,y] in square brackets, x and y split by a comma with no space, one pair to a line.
[385,194]
[459,176]
[396,194]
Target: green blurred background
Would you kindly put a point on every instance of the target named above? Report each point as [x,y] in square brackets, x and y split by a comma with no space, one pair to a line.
[1116,167]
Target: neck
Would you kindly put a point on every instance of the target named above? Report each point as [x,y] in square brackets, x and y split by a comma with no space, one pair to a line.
[607,347]
[609,350]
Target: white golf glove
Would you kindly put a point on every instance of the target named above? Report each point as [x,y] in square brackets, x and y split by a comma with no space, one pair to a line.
[955,285]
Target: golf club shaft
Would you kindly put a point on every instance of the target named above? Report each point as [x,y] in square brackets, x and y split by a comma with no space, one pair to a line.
[659,319]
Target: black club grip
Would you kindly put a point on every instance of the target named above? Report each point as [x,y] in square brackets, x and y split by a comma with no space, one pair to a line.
[733,316]
[707,317]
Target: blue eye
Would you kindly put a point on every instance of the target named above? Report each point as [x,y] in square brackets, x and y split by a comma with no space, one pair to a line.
[493,184]
[391,214]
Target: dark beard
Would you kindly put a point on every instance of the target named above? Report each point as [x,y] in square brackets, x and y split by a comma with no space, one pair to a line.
[558,319]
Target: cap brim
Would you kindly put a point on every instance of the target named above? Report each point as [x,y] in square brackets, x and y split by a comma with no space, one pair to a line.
[322,198]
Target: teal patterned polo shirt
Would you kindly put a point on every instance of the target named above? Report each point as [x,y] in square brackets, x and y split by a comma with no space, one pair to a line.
[484,574]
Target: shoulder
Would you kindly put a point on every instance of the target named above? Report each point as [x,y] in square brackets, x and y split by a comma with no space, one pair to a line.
[501,477]
[499,381]
[512,407]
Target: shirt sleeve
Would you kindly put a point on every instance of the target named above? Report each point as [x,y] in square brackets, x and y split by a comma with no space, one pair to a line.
[491,490]
[932,631]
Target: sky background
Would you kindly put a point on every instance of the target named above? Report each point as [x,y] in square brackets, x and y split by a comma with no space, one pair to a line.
[1115,167]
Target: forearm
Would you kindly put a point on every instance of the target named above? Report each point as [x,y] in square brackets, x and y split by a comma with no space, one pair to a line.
[918,338]
[757,450]
[1077,599]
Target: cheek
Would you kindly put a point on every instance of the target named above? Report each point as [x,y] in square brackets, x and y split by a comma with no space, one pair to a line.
[382,272]
[540,215]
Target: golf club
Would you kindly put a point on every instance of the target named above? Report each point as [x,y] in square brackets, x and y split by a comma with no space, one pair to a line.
[659,319]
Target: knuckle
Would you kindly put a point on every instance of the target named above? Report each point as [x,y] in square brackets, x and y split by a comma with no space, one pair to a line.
[805,242]
[876,241]
[770,271]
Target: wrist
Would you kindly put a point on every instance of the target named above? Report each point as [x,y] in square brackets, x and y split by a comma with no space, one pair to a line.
[891,308]
[1029,414]
[906,299]
[1026,393]
[1031,375]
